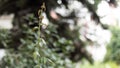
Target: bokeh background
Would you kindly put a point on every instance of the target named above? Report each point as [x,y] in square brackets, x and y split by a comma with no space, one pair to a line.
[59,33]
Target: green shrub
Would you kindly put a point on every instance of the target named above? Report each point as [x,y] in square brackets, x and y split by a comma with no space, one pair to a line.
[33,51]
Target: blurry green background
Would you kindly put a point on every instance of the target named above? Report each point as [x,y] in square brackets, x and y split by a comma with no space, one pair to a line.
[59,34]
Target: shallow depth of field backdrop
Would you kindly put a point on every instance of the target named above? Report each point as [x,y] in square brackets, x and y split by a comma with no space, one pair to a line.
[59,33]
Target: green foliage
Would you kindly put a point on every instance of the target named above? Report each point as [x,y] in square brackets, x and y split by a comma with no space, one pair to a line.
[34,51]
[114,46]
[30,54]
[4,37]
[99,65]
[59,44]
